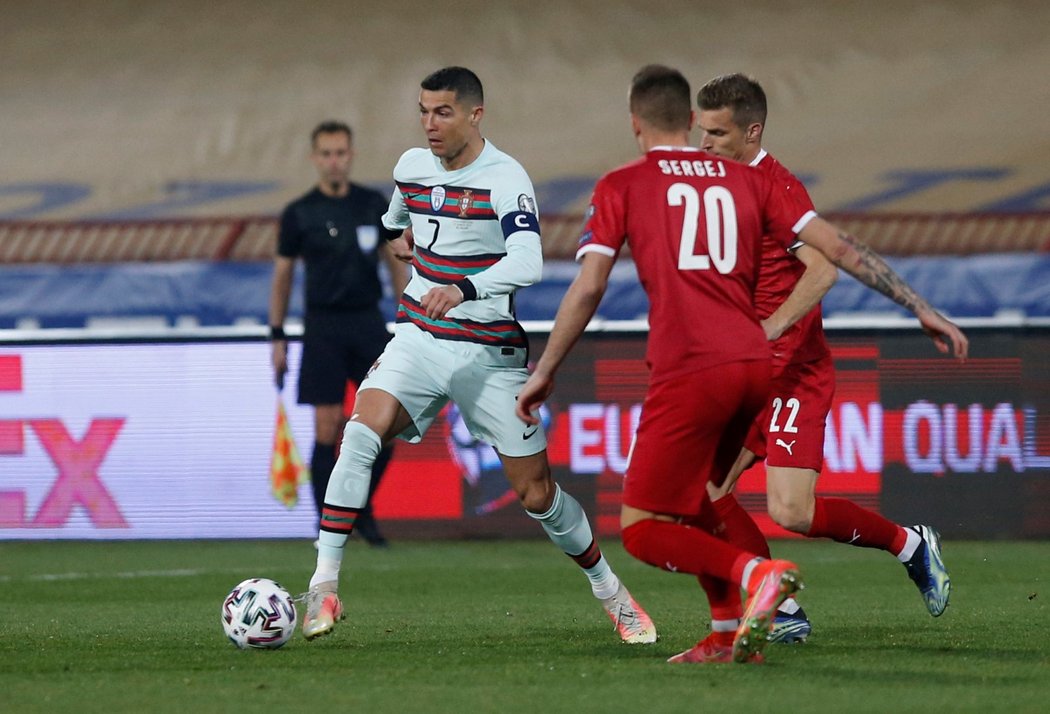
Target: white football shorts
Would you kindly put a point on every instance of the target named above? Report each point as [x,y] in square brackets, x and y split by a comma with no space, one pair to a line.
[423,373]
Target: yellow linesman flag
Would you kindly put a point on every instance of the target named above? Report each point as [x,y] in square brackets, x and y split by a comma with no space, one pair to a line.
[287,470]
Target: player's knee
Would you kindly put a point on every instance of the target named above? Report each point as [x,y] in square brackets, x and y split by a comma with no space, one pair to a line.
[790,497]
[358,438]
[632,537]
[792,515]
[530,477]
[638,540]
[536,495]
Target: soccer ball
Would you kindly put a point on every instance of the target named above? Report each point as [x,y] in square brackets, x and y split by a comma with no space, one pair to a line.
[258,613]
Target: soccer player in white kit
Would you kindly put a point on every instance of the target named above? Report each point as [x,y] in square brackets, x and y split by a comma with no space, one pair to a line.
[472,236]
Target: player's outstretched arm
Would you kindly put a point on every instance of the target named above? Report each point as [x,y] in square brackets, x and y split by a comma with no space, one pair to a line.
[819,276]
[576,310]
[868,267]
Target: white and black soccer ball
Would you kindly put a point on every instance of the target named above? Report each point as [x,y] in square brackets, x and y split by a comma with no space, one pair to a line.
[258,613]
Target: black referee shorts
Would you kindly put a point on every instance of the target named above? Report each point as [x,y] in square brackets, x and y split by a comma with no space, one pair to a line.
[338,346]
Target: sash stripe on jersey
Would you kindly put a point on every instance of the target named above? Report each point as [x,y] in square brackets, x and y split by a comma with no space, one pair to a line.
[451,268]
[499,333]
[459,201]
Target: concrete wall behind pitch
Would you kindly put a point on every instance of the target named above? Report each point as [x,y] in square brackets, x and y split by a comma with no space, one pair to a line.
[123,108]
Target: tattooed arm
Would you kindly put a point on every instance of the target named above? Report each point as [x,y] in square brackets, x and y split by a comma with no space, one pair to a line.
[868,267]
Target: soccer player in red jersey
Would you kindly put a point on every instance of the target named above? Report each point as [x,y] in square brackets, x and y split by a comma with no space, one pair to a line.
[789,434]
[694,224]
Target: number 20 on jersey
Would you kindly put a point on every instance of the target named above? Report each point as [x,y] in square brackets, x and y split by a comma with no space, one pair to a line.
[720,222]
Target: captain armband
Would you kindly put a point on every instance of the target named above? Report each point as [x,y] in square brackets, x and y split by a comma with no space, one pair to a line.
[517,221]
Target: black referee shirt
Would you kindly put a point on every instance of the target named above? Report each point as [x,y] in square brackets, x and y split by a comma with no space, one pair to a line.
[338,240]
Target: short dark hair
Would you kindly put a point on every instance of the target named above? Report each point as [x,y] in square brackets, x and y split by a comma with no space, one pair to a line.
[740,93]
[459,80]
[331,127]
[661,96]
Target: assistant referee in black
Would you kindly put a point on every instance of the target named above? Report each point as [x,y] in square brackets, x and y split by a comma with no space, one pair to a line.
[336,229]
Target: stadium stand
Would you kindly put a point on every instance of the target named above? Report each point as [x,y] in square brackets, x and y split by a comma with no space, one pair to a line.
[216,271]
[254,238]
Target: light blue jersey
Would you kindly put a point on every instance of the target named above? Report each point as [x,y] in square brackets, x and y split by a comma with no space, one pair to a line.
[476,227]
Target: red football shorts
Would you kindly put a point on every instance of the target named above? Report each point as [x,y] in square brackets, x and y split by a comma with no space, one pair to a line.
[691,430]
[790,430]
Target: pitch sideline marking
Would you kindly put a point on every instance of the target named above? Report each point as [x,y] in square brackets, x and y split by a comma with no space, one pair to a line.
[130,574]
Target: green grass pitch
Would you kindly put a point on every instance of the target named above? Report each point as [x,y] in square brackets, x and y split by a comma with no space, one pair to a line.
[506,627]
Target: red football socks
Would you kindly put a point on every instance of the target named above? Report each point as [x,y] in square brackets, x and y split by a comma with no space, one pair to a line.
[741,529]
[684,549]
[846,522]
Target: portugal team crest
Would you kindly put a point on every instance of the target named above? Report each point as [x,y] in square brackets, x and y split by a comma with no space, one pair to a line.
[437,198]
[465,202]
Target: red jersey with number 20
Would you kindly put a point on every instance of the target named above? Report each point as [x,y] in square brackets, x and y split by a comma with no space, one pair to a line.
[695,224]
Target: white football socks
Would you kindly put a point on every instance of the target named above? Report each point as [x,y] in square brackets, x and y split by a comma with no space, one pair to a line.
[567,526]
[724,625]
[789,607]
[327,568]
[910,545]
[749,568]
[348,488]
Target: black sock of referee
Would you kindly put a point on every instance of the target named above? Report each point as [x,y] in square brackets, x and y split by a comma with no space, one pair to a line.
[321,466]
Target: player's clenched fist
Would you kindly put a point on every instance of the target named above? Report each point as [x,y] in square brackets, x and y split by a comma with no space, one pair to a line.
[536,390]
[438,301]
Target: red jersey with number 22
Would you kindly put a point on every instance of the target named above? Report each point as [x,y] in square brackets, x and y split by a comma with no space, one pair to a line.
[804,341]
[694,223]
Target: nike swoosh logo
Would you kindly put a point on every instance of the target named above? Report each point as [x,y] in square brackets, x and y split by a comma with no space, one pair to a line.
[528,434]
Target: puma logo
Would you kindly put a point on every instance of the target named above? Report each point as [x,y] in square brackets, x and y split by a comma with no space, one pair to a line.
[786,445]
